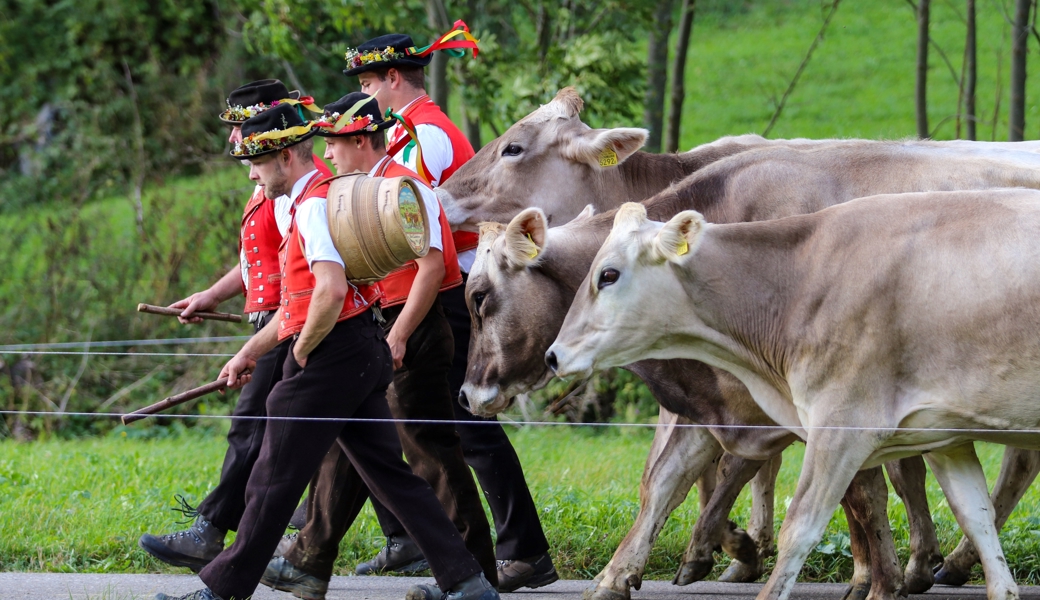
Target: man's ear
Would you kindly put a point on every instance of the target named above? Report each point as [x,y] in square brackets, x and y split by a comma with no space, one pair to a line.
[525,238]
[604,148]
[680,236]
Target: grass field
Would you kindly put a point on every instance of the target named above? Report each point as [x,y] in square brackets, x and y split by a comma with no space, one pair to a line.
[79,506]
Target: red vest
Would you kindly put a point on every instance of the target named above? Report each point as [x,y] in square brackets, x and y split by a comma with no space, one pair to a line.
[425,112]
[259,242]
[297,280]
[398,283]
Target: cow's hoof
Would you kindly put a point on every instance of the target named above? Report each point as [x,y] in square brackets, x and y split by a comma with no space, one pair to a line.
[693,571]
[949,574]
[857,592]
[603,593]
[919,576]
[740,572]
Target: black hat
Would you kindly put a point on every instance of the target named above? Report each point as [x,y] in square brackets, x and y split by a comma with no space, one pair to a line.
[384,52]
[254,98]
[272,130]
[355,114]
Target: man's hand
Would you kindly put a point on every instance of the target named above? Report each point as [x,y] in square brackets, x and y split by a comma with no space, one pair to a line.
[398,345]
[300,360]
[239,370]
[205,300]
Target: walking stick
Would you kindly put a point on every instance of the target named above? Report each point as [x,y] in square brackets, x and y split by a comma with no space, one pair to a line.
[176,312]
[181,398]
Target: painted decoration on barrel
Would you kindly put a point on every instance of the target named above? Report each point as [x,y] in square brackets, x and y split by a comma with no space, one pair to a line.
[411,218]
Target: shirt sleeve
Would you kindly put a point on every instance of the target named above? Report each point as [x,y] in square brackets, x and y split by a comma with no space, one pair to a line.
[282,213]
[313,221]
[438,152]
[433,216]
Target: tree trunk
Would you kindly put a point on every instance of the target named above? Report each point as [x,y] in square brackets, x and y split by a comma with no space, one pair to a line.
[682,44]
[657,74]
[437,72]
[921,84]
[970,72]
[1019,37]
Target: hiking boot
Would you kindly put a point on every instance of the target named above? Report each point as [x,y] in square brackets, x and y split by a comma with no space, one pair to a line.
[285,544]
[400,555]
[203,594]
[475,587]
[194,547]
[283,576]
[533,572]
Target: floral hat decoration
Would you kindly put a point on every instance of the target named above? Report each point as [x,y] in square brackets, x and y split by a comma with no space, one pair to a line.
[257,96]
[398,50]
[272,130]
[353,114]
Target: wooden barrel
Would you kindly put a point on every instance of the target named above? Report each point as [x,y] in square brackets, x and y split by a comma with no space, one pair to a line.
[377,224]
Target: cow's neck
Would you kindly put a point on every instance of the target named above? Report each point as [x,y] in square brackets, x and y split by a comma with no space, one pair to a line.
[642,175]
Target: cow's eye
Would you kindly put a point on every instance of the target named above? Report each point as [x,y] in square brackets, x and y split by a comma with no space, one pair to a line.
[512,149]
[607,277]
[478,300]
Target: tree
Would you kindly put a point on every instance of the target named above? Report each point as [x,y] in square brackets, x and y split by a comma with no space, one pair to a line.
[657,73]
[970,73]
[682,45]
[921,82]
[1019,37]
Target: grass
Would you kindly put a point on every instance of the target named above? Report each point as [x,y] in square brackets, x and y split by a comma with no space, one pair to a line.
[80,505]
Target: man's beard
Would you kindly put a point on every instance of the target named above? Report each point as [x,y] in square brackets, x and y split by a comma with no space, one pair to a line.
[278,185]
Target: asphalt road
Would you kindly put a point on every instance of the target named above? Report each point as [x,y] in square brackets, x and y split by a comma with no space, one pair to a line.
[62,586]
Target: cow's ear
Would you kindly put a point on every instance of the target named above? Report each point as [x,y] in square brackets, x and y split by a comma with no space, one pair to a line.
[679,236]
[605,148]
[525,238]
[585,213]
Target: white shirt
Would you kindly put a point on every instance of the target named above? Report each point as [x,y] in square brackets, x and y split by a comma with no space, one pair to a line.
[282,218]
[433,207]
[313,222]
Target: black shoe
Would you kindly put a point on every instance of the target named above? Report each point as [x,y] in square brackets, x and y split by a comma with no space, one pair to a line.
[533,572]
[400,555]
[282,575]
[477,587]
[203,594]
[194,547]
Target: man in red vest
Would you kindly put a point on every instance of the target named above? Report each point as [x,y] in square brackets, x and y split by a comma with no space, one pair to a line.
[390,67]
[333,388]
[421,343]
[264,224]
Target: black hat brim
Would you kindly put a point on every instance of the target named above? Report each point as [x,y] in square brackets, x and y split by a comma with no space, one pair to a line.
[304,138]
[294,95]
[408,61]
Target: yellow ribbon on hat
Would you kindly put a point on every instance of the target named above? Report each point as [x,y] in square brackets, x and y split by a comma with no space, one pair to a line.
[278,134]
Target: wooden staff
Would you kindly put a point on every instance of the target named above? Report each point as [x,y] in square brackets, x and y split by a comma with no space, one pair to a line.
[176,312]
[181,398]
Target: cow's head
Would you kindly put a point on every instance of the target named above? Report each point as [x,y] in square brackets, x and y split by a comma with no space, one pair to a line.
[549,159]
[632,299]
[518,293]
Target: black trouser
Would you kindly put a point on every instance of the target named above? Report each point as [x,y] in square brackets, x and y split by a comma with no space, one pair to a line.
[346,377]
[488,450]
[224,505]
[420,392]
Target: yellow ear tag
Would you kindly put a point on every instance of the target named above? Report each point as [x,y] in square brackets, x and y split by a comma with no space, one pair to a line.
[683,248]
[608,158]
[534,251]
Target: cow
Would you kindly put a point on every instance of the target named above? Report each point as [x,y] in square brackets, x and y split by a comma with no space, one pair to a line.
[880,328]
[520,287]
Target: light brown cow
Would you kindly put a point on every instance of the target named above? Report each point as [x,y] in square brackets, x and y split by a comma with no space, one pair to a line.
[884,327]
[519,291]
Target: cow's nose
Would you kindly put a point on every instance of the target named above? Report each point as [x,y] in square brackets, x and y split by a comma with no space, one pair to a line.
[550,360]
[463,400]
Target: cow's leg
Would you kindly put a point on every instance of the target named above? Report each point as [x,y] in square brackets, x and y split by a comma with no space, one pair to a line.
[908,478]
[962,480]
[1017,472]
[714,529]
[760,525]
[678,457]
[832,458]
[859,587]
[867,498]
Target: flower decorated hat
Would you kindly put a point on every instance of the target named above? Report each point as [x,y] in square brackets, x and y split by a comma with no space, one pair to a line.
[353,114]
[255,97]
[272,130]
[397,50]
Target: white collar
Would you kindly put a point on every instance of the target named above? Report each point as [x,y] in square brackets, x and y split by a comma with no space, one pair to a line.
[379,165]
[300,184]
[412,103]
